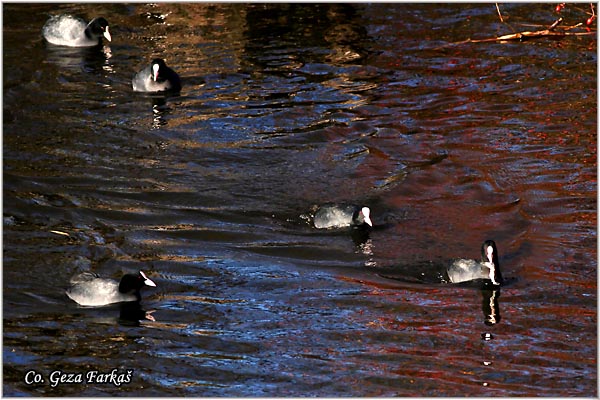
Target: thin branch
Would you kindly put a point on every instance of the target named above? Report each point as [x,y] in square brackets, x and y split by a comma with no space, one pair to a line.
[555,24]
[549,32]
[499,13]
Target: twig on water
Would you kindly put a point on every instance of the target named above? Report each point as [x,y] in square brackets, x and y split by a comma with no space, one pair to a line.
[499,13]
[549,32]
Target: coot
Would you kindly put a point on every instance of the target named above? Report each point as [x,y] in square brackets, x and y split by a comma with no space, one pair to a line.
[67,30]
[156,77]
[88,289]
[464,270]
[341,216]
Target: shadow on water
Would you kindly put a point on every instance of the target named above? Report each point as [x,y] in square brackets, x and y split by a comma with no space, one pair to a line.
[87,59]
[130,314]
[287,37]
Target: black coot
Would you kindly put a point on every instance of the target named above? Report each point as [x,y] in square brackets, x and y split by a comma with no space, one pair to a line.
[88,289]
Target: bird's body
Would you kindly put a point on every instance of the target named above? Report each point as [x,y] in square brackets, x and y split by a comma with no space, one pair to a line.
[67,30]
[331,216]
[465,270]
[156,77]
[88,289]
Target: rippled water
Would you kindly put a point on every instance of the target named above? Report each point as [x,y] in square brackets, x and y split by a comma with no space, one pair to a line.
[285,107]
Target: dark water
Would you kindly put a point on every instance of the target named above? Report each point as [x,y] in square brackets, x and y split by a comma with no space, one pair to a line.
[284,107]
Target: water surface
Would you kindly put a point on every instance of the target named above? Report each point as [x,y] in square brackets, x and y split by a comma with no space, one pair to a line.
[284,107]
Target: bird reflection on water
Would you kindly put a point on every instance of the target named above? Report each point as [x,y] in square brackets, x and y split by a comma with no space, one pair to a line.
[131,313]
[490,306]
